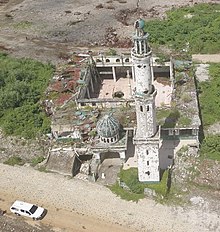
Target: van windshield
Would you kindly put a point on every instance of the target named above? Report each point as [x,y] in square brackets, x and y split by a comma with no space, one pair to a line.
[33,209]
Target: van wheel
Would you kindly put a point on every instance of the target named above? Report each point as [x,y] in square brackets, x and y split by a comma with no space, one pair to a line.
[34,219]
[17,214]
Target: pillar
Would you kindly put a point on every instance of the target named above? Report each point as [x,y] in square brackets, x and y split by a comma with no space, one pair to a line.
[114,74]
[129,83]
[92,85]
[122,155]
[133,74]
[152,69]
[97,156]
[87,89]
[171,70]
[140,46]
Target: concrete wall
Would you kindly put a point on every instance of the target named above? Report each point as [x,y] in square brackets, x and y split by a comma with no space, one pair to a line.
[146,116]
[148,162]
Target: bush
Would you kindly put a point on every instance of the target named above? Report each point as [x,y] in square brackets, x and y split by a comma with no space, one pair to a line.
[130,178]
[209,97]
[126,195]
[22,85]
[37,160]
[186,98]
[210,147]
[14,160]
[191,29]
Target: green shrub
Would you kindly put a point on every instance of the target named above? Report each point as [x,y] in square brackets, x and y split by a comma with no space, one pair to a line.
[37,160]
[186,98]
[130,178]
[22,86]
[111,52]
[42,169]
[191,29]
[162,114]
[210,147]
[184,121]
[23,25]
[209,96]
[14,160]
[126,195]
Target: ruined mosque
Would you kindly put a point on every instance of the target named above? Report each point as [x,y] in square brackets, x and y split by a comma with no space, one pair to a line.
[110,111]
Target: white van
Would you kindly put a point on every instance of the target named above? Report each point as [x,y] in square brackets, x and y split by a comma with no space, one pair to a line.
[27,209]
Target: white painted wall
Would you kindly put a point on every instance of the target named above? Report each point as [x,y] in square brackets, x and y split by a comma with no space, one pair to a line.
[148,162]
[142,72]
[146,120]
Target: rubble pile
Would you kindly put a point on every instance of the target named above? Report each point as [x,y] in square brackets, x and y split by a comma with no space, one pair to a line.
[209,174]
[185,166]
[27,150]
[112,39]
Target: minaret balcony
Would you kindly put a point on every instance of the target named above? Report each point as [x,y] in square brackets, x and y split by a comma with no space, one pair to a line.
[146,94]
[138,55]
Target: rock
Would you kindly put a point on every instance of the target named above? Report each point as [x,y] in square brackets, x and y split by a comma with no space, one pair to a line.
[77,13]
[197,201]
[149,192]
[124,186]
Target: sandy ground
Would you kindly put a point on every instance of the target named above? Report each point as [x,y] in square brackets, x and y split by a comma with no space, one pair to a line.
[46,30]
[206,58]
[75,205]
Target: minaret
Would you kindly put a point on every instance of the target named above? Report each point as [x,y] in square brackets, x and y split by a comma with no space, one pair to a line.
[146,138]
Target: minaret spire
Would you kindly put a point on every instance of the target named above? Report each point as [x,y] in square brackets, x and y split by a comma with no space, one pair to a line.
[145,139]
[141,55]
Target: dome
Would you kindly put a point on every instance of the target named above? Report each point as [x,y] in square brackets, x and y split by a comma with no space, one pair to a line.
[141,23]
[108,126]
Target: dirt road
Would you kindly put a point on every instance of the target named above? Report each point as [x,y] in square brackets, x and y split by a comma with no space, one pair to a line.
[48,30]
[75,205]
[206,58]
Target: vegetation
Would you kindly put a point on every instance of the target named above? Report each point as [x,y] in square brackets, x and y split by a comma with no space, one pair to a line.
[182,150]
[210,147]
[22,85]
[193,29]
[42,169]
[209,96]
[37,160]
[14,160]
[168,118]
[162,114]
[111,52]
[186,98]
[23,25]
[135,189]
[184,121]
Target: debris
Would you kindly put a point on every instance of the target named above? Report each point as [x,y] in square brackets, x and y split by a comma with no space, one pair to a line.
[2,212]
[149,192]
[197,200]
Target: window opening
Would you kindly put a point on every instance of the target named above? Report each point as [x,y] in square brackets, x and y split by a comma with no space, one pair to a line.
[141,108]
[177,131]
[171,132]
[148,107]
